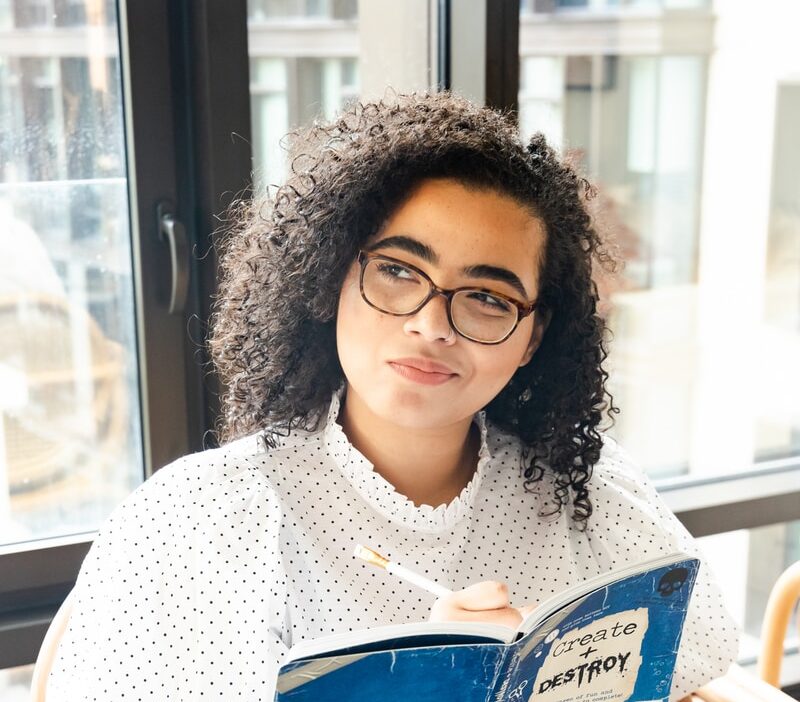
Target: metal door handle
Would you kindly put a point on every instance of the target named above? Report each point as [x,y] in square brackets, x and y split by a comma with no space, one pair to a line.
[174,232]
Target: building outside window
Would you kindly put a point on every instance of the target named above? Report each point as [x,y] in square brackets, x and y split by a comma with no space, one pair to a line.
[679,112]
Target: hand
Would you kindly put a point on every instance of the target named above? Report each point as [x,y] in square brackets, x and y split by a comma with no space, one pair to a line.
[482,602]
[525,610]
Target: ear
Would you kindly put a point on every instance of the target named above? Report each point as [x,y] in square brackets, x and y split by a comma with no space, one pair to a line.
[541,320]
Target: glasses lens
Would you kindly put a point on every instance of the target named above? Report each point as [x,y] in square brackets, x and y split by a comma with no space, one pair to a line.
[483,316]
[393,287]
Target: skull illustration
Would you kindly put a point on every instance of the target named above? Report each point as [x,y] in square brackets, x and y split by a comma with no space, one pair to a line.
[672,581]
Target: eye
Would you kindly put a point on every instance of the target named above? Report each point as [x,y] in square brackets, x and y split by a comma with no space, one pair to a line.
[487,300]
[394,271]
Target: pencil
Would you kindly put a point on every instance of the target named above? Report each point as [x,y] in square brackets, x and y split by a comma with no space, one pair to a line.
[370,556]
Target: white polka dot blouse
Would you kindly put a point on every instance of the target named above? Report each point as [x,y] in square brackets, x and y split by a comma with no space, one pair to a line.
[203,577]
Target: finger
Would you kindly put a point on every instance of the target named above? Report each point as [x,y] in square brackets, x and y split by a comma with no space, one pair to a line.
[489,594]
[525,610]
[506,616]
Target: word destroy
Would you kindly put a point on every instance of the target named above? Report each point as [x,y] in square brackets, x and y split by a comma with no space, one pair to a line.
[586,671]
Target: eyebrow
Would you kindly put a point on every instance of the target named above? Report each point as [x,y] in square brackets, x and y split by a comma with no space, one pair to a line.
[426,253]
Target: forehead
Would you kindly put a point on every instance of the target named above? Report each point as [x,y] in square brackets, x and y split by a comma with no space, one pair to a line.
[467,226]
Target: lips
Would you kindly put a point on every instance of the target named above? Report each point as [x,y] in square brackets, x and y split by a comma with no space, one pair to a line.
[424,364]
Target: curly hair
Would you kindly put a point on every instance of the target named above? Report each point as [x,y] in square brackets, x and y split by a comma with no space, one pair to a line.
[286,254]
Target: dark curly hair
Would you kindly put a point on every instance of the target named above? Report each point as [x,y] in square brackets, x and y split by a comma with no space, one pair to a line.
[286,255]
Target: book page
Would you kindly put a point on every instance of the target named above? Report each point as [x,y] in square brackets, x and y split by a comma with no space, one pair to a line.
[463,673]
[398,636]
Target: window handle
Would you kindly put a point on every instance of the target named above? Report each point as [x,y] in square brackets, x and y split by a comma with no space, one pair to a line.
[174,232]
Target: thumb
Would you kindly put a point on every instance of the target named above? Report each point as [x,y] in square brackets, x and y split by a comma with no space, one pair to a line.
[488,594]
[525,610]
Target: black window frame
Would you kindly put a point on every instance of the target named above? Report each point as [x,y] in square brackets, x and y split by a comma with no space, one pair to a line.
[185,92]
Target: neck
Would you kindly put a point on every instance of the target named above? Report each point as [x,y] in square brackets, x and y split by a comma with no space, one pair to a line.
[428,466]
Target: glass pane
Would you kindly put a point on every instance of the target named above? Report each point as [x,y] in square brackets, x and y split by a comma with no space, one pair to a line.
[747,579]
[309,58]
[70,445]
[15,684]
[685,116]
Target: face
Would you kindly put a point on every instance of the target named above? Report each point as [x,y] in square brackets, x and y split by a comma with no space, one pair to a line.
[443,228]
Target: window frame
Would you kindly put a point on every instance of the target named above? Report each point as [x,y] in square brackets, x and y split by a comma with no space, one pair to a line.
[185,92]
[179,123]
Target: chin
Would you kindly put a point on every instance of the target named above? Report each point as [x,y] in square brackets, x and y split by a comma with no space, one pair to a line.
[422,408]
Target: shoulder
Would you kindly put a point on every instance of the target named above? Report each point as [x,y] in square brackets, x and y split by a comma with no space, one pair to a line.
[213,481]
[624,495]
[191,503]
[239,461]
[617,465]
[241,468]
[614,466]
[199,472]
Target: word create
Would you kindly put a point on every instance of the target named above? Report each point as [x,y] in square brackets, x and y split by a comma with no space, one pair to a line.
[600,635]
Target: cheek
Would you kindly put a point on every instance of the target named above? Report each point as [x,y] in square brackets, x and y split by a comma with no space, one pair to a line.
[347,316]
[348,299]
[356,324]
[498,363]
[497,369]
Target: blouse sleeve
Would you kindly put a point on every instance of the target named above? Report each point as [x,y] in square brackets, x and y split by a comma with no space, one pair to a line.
[631,522]
[180,594]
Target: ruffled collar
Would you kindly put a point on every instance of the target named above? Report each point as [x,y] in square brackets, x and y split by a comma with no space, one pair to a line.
[382,495]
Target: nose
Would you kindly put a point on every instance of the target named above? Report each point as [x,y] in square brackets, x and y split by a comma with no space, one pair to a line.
[431,320]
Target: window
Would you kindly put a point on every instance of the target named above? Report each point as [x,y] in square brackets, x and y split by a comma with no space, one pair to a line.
[310,59]
[762,554]
[108,109]
[680,113]
[83,341]
[649,105]
[70,440]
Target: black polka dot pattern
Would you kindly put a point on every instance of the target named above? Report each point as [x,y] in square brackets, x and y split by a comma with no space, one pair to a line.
[201,579]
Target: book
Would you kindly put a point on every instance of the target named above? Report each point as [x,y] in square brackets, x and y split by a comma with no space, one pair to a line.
[610,638]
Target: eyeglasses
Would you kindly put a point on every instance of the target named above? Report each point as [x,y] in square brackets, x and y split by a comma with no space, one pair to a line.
[398,288]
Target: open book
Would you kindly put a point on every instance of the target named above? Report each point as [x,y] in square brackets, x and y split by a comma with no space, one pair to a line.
[611,638]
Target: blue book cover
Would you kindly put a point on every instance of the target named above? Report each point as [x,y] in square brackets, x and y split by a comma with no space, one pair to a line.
[609,639]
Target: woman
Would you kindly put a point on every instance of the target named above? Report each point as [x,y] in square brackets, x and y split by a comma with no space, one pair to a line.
[409,337]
